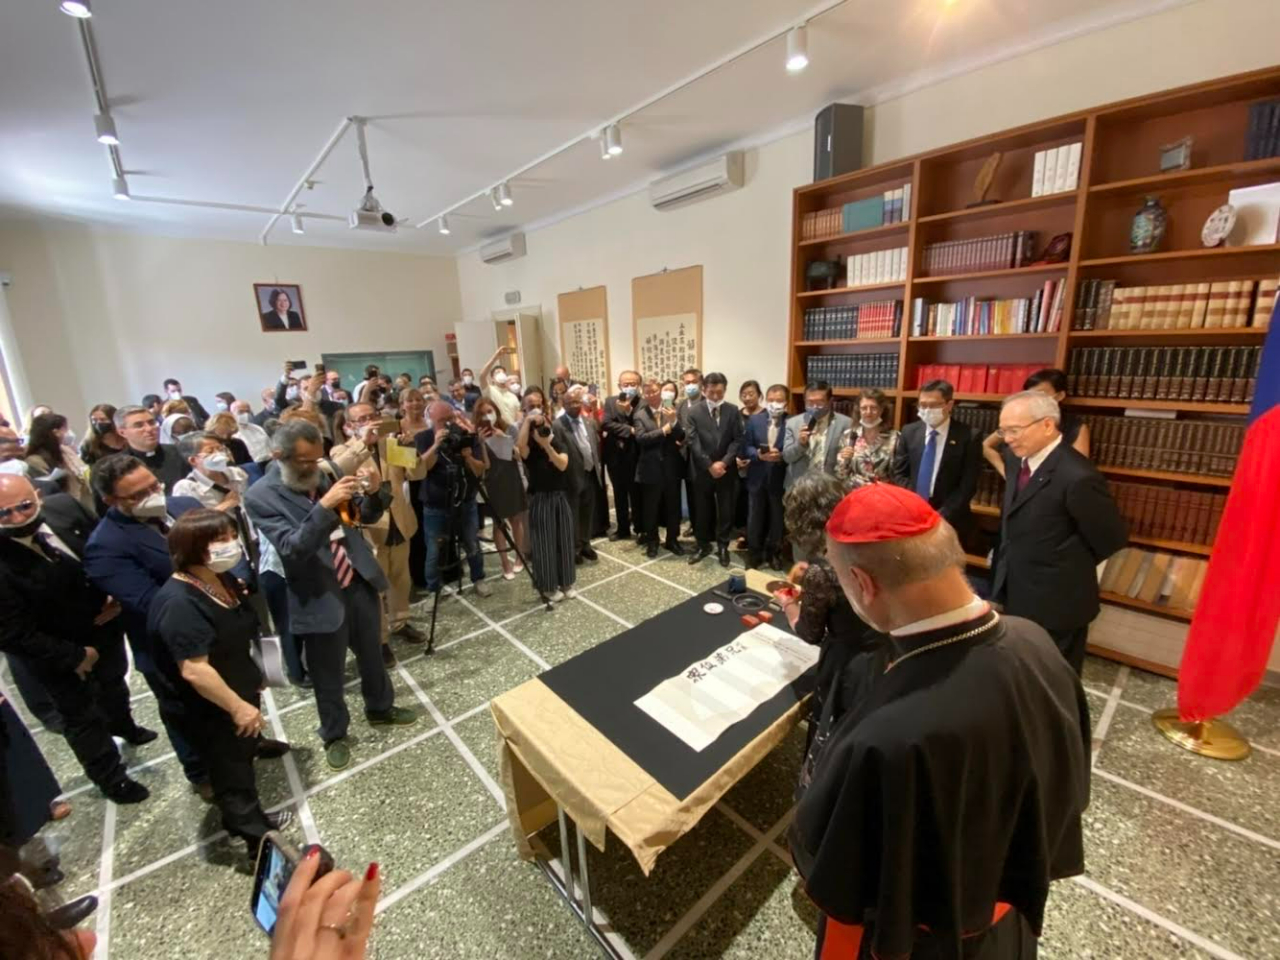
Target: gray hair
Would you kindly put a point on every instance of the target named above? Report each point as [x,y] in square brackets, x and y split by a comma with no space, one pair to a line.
[285,440]
[189,444]
[896,563]
[1040,405]
[124,413]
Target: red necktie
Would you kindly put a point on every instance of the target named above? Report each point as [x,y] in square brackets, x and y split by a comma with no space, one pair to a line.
[342,568]
[1024,476]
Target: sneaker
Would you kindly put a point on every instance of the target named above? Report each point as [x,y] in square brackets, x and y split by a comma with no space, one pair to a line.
[570,593]
[508,574]
[482,589]
[556,597]
[411,634]
[126,790]
[337,755]
[395,717]
[280,819]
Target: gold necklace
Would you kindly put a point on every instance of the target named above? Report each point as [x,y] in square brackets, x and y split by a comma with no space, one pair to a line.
[995,618]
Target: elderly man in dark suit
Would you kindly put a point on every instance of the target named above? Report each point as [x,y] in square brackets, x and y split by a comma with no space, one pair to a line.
[1057,523]
[714,435]
[660,468]
[579,440]
[619,451]
[66,632]
[939,457]
[127,557]
[332,576]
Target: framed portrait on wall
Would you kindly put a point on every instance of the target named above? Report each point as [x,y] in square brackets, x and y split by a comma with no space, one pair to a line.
[280,307]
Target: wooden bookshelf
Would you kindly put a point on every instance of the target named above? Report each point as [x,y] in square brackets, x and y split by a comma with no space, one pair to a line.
[1146,607]
[1118,168]
[1176,546]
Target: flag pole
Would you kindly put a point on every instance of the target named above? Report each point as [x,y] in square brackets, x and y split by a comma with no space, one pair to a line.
[1210,738]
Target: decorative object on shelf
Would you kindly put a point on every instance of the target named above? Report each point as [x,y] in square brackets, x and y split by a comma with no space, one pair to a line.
[1176,155]
[1058,250]
[823,274]
[983,181]
[1257,215]
[1218,226]
[1149,225]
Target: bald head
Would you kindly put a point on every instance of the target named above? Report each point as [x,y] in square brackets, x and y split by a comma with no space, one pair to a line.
[19,506]
[439,413]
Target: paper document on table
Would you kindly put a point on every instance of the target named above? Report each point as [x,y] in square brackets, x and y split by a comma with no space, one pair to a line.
[711,695]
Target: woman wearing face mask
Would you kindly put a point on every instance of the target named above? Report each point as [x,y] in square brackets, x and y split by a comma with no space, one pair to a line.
[867,449]
[550,516]
[213,479]
[49,457]
[504,489]
[101,439]
[749,398]
[224,427]
[203,630]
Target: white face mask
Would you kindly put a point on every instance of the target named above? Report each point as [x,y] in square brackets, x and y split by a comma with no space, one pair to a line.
[776,408]
[153,506]
[871,422]
[514,387]
[691,390]
[221,406]
[291,393]
[15,467]
[500,379]
[629,392]
[932,417]
[69,439]
[668,395]
[216,462]
[713,404]
[175,394]
[224,556]
[242,417]
[467,381]
[490,417]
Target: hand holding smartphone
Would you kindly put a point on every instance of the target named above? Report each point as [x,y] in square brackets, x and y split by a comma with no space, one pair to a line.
[277,859]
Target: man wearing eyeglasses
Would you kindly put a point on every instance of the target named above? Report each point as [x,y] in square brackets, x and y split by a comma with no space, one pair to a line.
[64,632]
[1057,523]
[938,456]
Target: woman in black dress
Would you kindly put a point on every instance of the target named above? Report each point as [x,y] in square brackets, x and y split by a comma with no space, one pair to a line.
[504,487]
[201,621]
[550,516]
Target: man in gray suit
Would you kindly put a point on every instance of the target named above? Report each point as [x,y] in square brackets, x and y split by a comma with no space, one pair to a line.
[578,439]
[813,438]
[331,575]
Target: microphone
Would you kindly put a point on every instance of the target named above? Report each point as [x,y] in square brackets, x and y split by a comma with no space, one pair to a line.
[813,419]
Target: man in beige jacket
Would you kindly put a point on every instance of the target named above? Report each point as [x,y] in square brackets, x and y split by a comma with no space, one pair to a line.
[390,535]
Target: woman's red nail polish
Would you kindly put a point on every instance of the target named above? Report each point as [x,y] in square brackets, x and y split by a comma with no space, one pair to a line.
[313,853]
[372,872]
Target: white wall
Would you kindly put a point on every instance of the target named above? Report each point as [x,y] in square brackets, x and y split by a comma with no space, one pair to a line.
[743,239]
[105,316]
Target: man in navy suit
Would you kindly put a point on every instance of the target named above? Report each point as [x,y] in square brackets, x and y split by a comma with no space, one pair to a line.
[127,557]
[766,475]
[939,457]
[714,433]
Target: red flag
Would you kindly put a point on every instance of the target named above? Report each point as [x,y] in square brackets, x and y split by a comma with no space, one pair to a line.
[1235,621]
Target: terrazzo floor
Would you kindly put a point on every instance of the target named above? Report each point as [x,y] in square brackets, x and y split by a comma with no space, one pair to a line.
[1183,853]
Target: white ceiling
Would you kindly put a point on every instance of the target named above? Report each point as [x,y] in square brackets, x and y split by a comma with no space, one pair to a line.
[229,101]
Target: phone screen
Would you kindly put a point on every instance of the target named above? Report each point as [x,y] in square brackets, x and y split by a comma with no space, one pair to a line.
[275,867]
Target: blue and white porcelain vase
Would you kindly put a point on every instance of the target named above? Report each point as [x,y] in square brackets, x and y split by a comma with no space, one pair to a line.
[1149,225]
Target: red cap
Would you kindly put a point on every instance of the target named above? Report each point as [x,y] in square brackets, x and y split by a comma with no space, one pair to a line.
[881,511]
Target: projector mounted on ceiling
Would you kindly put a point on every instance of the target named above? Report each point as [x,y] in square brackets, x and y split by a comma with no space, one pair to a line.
[369,215]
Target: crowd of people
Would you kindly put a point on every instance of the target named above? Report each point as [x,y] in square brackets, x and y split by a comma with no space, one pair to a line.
[190,535]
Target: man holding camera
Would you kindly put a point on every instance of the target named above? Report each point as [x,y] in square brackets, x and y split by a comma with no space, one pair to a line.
[455,460]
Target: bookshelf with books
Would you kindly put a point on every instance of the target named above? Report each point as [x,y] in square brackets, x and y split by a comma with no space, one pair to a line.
[1164,380]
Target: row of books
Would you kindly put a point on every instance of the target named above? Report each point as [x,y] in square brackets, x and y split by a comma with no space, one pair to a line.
[856,321]
[1163,513]
[892,206]
[983,420]
[1056,170]
[1179,306]
[1199,374]
[1263,137]
[1162,579]
[854,370]
[999,252]
[1199,447]
[880,266]
[1041,313]
[1001,378]
[990,492]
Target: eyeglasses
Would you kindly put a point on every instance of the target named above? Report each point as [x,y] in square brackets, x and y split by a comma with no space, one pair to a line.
[141,495]
[26,506]
[365,421]
[1011,433]
[297,462]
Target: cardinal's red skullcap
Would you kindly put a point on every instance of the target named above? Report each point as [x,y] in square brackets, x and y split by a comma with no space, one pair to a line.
[881,511]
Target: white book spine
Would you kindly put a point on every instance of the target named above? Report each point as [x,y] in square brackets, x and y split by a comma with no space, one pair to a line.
[855,272]
[1050,165]
[1074,154]
[906,201]
[1037,175]
[1060,169]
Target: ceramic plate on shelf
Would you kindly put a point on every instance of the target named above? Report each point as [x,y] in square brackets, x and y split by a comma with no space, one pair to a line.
[1218,226]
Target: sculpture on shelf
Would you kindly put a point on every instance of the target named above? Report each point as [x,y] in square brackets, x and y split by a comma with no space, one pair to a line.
[823,275]
[1149,225]
[982,183]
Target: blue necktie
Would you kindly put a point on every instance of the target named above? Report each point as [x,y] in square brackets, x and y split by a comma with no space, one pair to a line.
[924,479]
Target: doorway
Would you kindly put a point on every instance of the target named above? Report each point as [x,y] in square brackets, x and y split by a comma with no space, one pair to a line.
[416,363]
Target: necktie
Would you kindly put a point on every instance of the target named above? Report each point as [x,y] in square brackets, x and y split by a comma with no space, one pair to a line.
[1024,476]
[924,479]
[715,415]
[47,548]
[342,568]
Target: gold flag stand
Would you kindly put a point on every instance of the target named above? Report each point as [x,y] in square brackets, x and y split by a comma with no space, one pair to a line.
[1210,738]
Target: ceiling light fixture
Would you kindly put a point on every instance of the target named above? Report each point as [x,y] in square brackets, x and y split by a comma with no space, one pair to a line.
[106,128]
[444,225]
[493,198]
[119,188]
[604,150]
[76,8]
[295,221]
[613,139]
[503,194]
[797,49]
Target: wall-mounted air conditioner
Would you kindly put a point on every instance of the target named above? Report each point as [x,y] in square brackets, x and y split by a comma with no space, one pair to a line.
[705,180]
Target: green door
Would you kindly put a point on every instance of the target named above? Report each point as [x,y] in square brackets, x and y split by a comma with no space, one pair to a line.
[351,365]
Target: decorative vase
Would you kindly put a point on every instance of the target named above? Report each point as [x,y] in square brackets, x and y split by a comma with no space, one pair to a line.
[1149,225]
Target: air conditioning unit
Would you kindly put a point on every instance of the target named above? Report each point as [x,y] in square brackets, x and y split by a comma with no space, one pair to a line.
[510,247]
[705,180]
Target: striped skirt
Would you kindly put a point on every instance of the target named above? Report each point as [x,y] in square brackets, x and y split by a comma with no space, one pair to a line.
[551,541]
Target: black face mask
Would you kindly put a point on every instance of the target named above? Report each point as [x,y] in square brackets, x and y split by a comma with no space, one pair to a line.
[102,427]
[27,529]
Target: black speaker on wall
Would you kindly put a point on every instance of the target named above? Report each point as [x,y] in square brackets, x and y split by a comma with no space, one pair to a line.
[837,140]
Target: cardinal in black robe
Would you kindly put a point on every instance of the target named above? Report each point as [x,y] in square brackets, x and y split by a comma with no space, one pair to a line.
[945,783]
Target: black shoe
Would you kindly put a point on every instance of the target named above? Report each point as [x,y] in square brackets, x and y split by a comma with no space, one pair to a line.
[139,736]
[651,551]
[411,634]
[388,656]
[754,562]
[616,536]
[204,790]
[589,553]
[126,791]
[723,555]
[701,554]
[71,913]
[280,819]
[44,876]
[641,538]
[675,547]
[688,532]
[271,749]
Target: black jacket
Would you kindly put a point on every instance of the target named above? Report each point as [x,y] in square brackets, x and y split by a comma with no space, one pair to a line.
[271,321]
[617,436]
[1052,537]
[562,430]
[661,457]
[957,479]
[707,443]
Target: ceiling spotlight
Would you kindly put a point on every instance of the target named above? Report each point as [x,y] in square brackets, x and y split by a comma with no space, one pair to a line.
[296,222]
[604,150]
[797,49]
[119,188]
[106,128]
[76,8]
[493,198]
[613,139]
[444,225]
[504,195]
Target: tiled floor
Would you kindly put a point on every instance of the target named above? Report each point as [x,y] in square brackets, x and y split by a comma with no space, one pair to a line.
[1183,852]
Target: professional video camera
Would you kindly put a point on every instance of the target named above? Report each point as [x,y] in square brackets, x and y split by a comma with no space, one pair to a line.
[455,440]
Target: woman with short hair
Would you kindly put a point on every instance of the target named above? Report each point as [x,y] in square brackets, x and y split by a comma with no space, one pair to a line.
[867,447]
